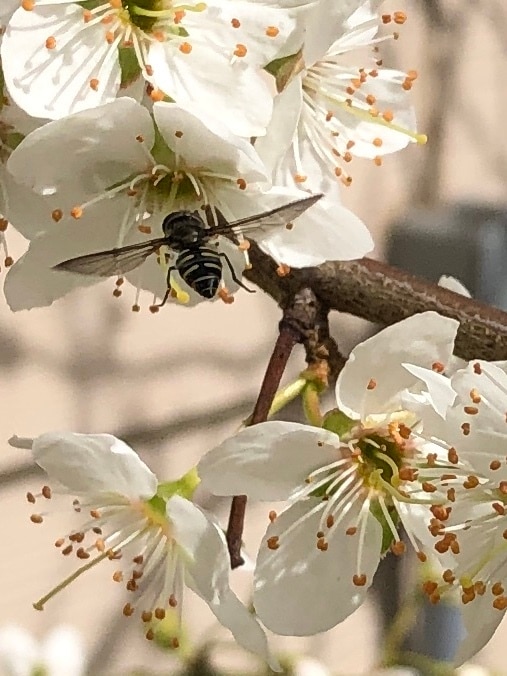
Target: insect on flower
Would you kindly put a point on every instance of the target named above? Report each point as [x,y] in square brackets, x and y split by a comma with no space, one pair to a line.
[186,234]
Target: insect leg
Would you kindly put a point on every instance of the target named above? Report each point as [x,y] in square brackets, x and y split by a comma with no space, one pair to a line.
[168,291]
[233,273]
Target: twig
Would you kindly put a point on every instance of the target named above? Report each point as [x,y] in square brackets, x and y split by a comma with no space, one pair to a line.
[385,295]
[298,319]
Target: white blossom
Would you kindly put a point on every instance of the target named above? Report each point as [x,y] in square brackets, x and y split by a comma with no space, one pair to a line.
[166,541]
[61,57]
[342,104]
[348,484]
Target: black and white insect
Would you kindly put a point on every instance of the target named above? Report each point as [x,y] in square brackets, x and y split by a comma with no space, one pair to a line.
[188,236]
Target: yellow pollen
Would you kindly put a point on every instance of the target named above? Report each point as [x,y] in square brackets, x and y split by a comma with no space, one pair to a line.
[272,31]
[399,18]
[50,42]
[185,47]
[225,296]
[157,95]
[240,50]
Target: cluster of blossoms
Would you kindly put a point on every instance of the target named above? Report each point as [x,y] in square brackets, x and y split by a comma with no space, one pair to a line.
[117,114]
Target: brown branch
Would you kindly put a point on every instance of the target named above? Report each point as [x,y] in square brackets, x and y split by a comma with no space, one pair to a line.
[297,324]
[385,295]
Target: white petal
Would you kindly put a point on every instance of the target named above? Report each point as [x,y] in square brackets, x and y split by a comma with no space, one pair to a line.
[481,622]
[207,573]
[63,652]
[487,437]
[237,95]
[205,143]
[453,284]
[216,27]
[19,651]
[31,281]
[441,394]
[94,463]
[282,127]
[300,590]
[422,340]
[52,83]
[91,150]
[267,461]
[324,25]
[325,232]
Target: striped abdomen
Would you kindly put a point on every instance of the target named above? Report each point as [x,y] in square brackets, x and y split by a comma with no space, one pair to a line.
[201,268]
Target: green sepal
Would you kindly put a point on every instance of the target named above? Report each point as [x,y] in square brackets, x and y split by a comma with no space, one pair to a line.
[336,421]
[185,486]
[387,534]
[285,69]
[129,66]
[13,139]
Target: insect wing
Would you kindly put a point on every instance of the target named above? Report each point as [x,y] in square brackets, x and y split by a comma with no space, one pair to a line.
[113,261]
[266,221]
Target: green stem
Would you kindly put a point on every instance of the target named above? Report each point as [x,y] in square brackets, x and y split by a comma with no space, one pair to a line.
[311,404]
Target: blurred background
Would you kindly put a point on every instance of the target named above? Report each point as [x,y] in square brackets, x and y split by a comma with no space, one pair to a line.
[175,383]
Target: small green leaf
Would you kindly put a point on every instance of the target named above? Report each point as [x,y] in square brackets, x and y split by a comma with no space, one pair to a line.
[285,69]
[387,535]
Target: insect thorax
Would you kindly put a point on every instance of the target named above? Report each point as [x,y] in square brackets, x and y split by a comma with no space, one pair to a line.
[184,230]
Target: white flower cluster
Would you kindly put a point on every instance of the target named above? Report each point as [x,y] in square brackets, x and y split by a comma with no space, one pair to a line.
[150,141]
[116,113]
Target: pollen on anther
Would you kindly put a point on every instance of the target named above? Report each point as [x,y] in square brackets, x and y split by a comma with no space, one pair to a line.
[351,530]
[178,133]
[36,518]
[359,580]
[495,464]
[185,47]
[128,610]
[372,384]
[465,428]
[46,492]
[225,296]
[28,5]
[94,84]
[50,42]
[272,31]
[452,456]
[146,616]
[399,18]
[471,410]
[388,115]
[30,498]
[300,178]
[150,635]
[240,50]
[283,270]
[241,183]
[477,369]
[235,23]
[157,95]
[173,602]
[272,542]
[377,160]
[76,212]
[398,548]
